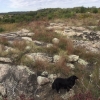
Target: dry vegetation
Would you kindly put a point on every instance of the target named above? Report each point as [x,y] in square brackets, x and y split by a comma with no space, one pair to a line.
[88,87]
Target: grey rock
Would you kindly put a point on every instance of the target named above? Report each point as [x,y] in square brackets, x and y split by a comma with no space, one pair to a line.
[49,45]
[45,73]
[55,40]
[42,80]
[24,32]
[82,62]
[56,58]
[4,71]
[39,56]
[9,49]
[27,38]
[5,60]
[2,90]
[52,77]
[70,65]
[73,58]
[28,47]
[39,43]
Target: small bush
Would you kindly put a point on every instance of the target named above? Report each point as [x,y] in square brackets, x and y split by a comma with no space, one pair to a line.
[1,29]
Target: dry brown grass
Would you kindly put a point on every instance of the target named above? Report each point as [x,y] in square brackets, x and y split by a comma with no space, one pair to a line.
[52,50]
[70,46]
[60,67]
[41,33]
[66,44]
[41,65]
[19,44]
[8,27]
[4,40]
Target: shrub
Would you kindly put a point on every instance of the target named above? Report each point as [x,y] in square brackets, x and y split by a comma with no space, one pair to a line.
[41,65]
[95,10]
[1,29]
[52,50]
[60,67]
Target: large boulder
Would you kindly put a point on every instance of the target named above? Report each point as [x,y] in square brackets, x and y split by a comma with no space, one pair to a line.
[16,80]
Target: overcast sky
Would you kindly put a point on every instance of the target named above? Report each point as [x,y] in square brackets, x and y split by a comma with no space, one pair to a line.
[31,5]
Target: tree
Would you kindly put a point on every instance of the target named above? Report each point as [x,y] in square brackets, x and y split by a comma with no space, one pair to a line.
[82,10]
[95,10]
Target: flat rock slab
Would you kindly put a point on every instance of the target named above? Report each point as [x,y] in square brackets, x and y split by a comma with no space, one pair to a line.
[6,60]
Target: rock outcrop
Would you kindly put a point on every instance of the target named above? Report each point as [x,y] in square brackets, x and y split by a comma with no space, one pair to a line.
[18,80]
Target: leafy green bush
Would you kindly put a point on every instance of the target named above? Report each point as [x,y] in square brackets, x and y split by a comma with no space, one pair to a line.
[95,10]
[47,14]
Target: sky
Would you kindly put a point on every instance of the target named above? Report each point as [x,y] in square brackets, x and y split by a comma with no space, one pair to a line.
[32,5]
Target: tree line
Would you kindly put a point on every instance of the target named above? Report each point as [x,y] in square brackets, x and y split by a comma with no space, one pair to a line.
[49,13]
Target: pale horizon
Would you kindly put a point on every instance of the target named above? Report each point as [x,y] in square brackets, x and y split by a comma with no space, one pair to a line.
[33,5]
